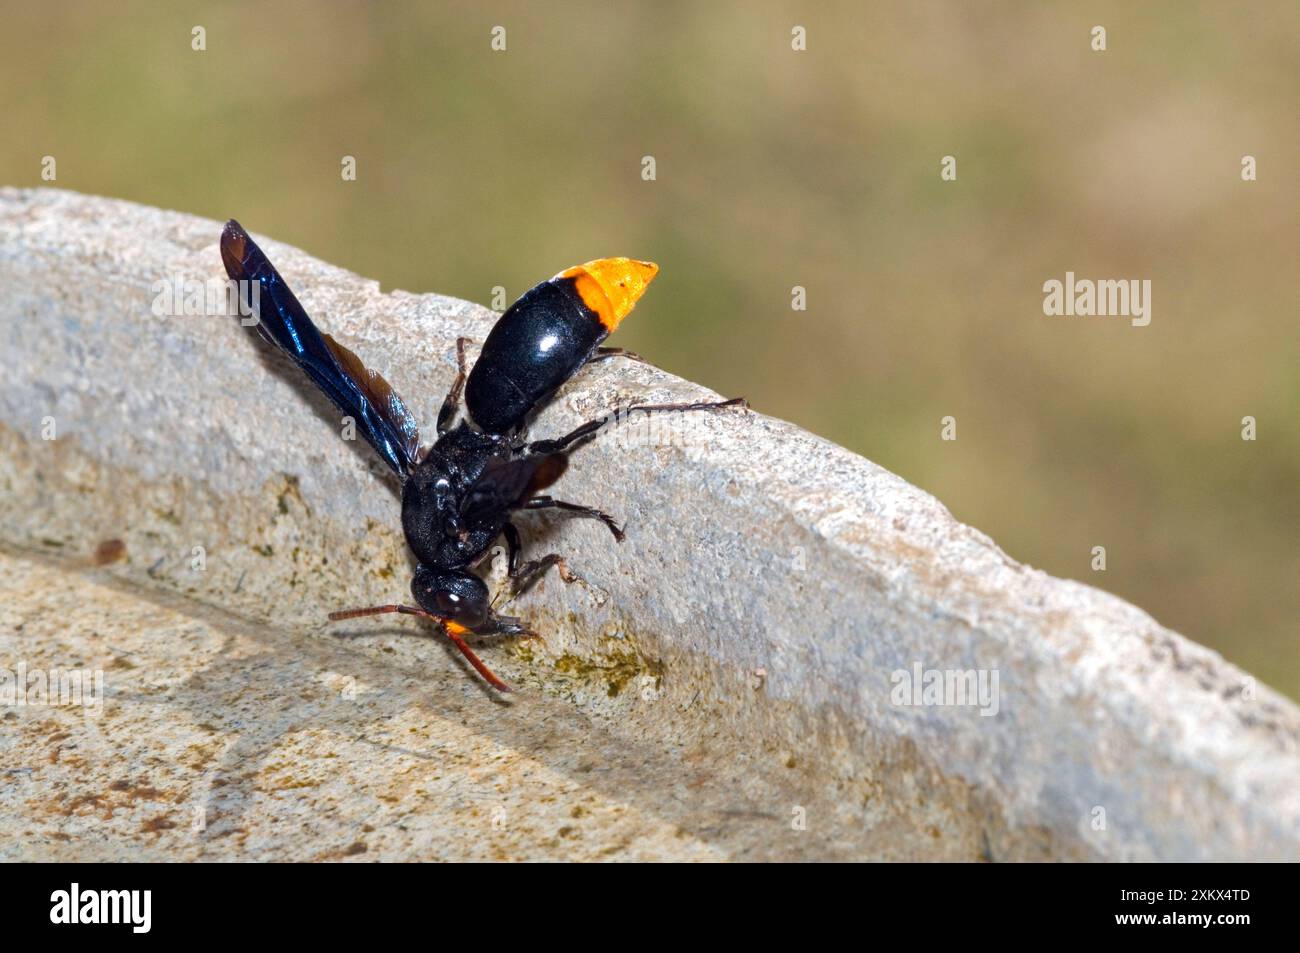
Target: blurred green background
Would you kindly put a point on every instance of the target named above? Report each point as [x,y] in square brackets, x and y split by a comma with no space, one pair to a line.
[778,168]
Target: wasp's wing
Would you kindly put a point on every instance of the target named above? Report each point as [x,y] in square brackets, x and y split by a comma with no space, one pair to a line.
[507,483]
[360,393]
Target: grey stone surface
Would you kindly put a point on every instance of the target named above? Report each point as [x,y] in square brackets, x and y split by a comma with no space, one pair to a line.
[719,686]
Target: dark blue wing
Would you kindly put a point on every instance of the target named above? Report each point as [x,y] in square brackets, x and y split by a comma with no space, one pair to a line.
[379,412]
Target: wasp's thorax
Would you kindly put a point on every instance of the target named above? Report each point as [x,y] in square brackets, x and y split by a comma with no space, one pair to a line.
[439,527]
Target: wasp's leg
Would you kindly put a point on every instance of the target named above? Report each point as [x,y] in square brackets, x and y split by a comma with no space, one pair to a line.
[534,569]
[703,405]
[452,400]
[546,503]
[605,353]
[453,630]
[513,546]
[523,575]
[504,624]
[591,427]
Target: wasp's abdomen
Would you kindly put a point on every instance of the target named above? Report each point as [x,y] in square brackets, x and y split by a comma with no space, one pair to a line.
[537,345]
[545,336]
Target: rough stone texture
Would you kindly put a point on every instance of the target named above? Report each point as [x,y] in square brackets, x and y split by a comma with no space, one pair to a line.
[717,687]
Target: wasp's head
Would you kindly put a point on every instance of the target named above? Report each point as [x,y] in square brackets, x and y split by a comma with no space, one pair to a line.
[457,595]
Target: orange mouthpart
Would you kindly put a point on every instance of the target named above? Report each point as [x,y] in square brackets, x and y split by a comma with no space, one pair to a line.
[611,287]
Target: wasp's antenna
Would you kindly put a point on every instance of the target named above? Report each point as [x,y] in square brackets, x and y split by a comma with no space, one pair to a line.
[453,630]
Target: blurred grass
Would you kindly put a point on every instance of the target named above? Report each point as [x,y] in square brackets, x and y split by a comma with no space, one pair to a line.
[819,169]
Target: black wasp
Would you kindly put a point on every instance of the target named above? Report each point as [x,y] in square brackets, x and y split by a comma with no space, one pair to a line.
[459,495]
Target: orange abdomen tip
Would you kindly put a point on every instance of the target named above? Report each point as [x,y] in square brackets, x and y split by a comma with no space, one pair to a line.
[611,287]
